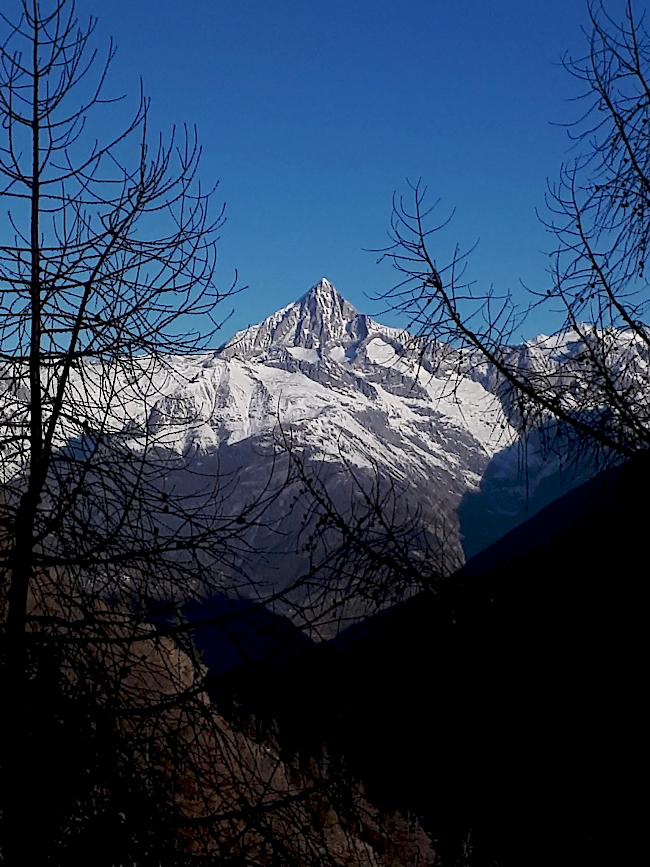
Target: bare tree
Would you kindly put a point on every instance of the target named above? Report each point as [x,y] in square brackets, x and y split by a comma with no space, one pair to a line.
[587,385]
[106,267]
[107,280]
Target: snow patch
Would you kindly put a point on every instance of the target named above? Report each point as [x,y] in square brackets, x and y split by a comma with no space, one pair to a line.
[380,352]
[337,354]
[302,354]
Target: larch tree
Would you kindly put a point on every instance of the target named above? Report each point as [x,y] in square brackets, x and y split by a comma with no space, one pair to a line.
[111,748]
[107,270]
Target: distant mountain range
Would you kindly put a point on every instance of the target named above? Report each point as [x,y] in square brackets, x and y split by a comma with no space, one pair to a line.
[355,394]
[367,412]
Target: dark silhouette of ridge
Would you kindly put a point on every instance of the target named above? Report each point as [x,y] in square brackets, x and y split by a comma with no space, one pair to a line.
[505,709]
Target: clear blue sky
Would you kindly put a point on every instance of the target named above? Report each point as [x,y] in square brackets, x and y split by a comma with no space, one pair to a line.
[312,113]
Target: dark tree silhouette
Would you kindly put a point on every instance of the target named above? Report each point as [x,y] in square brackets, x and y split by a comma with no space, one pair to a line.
[588,388]
[111,751]
[106,266]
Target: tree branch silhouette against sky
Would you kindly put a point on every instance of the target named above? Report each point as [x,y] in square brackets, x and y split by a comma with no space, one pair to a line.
[312,114]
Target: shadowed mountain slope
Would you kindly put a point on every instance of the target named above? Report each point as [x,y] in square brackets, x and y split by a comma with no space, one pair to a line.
[506,708]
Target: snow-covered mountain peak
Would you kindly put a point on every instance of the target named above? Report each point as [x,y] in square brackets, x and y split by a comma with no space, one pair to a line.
[321,319]
[326,316]
[325,301]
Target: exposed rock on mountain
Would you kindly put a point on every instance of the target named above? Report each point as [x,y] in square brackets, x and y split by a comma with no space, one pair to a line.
[363,410]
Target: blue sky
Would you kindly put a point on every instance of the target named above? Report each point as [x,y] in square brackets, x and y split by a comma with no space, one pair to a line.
[312,113]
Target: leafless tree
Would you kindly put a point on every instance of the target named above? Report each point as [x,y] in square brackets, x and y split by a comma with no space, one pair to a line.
[106,266]
[107,280]
[587,385]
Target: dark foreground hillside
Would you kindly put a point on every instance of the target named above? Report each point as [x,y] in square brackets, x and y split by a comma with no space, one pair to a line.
[505,709]
[124,762]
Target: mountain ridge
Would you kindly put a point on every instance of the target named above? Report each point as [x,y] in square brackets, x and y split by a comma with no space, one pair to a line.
[319,319]
[362,408]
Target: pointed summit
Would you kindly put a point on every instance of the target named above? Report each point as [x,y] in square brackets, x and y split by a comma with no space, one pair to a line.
[324,285]
[326,316]
[323,290]
[320,318]
[324,296]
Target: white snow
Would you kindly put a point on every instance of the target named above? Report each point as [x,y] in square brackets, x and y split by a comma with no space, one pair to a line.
[244,391]
[303,354]
[463,401]
[380,352]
